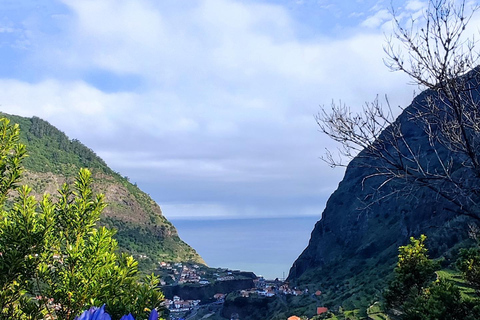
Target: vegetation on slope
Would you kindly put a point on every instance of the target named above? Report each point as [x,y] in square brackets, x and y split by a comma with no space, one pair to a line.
[417,292]
[418,173]
[54,261]
[142,230]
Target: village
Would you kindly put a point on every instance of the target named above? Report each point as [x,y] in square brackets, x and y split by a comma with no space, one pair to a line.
[183,273]
[194,275]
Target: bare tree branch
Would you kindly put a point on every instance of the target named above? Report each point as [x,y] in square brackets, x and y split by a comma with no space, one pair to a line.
[437,56]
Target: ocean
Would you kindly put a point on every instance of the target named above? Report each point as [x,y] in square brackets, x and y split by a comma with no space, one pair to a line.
[267,247]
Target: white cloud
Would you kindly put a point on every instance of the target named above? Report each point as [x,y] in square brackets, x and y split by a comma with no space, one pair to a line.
[227,101]
[377,19]
[192,211]
[6,30]
[196,211]
[122,36]
[415,5]
[74,107]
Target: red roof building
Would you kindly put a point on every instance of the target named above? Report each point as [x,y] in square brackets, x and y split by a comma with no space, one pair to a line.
[321,310]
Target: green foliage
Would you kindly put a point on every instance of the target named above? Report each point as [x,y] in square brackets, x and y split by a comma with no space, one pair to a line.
[415,295]
[458,278]
[442,300]
[375,312]
[151,244]
[51,150]
[54,262]
[469,264]
[53,157]
[23,239]
[340,315]
[11,154]
[414,268]
[413,273]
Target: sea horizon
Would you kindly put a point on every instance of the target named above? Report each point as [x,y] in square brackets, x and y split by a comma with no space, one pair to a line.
[265,246]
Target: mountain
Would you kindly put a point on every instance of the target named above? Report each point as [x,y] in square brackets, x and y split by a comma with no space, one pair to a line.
[142,230]
[353,248]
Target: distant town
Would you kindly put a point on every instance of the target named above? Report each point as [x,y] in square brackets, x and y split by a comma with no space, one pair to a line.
[189,278]
[180,273]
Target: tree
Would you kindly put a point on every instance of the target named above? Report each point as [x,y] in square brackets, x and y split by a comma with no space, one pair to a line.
[437,55]
[442,300]
[417,293]
[413,273]
[54,261]
[469,263]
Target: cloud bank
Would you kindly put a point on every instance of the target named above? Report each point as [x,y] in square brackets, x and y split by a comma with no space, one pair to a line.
[208,105]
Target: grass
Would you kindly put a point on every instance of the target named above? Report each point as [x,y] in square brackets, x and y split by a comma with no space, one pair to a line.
[375,312]
[379,316]
[456,277]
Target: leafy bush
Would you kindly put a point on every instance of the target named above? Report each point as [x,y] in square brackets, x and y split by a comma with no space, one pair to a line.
[415,296]
[54,261]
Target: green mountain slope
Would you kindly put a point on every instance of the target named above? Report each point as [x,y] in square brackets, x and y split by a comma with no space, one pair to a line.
[353,248]
[142,229]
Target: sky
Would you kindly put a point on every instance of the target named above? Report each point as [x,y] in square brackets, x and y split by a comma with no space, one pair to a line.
[208,105]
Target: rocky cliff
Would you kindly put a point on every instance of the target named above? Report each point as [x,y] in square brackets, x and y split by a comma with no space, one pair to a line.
[353,248]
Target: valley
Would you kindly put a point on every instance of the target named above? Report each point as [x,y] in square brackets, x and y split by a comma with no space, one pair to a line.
[219,200]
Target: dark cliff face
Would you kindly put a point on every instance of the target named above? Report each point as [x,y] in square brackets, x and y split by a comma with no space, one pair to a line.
[353,248]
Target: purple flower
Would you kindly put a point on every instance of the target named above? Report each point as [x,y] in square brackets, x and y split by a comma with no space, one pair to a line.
[153,315]
[127,317]
[94,313]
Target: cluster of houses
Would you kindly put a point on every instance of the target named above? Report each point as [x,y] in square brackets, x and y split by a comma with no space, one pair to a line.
[179,305]
[181,273]
[225,278]
[272,291]
[269,289]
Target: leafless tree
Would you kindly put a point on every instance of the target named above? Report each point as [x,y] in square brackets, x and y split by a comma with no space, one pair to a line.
[435,52]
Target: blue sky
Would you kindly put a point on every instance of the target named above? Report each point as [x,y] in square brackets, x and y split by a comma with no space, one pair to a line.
[207,104]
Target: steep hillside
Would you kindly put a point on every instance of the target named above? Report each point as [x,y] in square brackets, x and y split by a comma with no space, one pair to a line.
[354,247]
[142,229]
